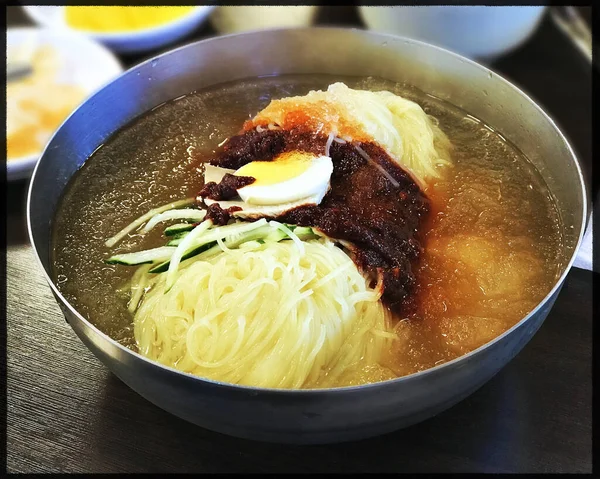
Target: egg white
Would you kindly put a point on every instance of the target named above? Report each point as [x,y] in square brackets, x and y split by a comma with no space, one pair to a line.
[313,182]
[255,212]
[308,188]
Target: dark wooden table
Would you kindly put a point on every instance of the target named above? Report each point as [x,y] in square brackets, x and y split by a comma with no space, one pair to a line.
[68,413]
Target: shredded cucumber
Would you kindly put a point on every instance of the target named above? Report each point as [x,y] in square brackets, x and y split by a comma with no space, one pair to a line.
[199,237]
[183,248]
[233,235]
[177,238]
[164,266]
[303,232]
[142,219]
[264,234]
[204,238]
[155,255]
[175,241]
[175,230]
[190,214]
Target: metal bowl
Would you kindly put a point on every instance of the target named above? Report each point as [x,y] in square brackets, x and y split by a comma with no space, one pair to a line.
[309,416]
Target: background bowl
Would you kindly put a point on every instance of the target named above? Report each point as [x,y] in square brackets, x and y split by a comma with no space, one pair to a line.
[87,64]
[236,19]
[126,42]
[480,32]
[328,415]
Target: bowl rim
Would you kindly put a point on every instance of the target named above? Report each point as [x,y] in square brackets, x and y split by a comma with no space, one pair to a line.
[379,385]
[198,12]
[21,167]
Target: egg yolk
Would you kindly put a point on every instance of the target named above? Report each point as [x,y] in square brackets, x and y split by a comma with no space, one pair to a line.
[285,167]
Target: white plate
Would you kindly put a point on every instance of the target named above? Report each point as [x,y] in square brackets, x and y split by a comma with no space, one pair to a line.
[126,42]
[85,63]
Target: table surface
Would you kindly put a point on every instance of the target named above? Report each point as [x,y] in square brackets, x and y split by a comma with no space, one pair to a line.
[68,413]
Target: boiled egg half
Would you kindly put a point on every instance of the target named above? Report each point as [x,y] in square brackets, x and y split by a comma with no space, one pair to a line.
[289,177]
[291,180]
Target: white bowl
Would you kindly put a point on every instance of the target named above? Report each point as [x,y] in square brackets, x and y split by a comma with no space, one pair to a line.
[126,42]
[237,19]
[86,64]
[479,32]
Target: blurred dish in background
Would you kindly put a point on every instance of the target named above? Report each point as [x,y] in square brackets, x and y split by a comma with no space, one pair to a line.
[234,19]
[36,104]
[572,24]
[479,32]
[131,29]
[121,19]
[65,69]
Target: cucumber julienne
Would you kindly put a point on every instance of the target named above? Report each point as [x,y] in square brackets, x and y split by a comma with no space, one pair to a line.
[232,235]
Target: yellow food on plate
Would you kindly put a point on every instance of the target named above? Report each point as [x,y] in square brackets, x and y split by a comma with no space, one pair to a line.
[121,19]
[37,104]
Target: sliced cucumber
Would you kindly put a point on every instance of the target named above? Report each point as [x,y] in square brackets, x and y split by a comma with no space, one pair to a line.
[174,242]
[164,266]
[176,239]
[263,234]
[142,219]
[233,235]
[189,214]
[197,235]
[183,234]
[275,235]
[270,233]
[304,232]
[233,241]
[155,255]
[179,228]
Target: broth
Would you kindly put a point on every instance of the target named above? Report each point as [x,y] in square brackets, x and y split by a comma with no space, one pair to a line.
[492,243]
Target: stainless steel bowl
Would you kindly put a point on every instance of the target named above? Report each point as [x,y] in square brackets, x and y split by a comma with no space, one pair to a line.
[313,416]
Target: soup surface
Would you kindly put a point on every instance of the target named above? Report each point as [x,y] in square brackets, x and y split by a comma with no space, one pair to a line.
[492,242]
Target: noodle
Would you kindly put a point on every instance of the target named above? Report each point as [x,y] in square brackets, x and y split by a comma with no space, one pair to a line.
[400,126]
[266,315]
[328,144]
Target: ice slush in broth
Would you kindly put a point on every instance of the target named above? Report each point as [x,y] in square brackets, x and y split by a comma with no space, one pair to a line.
[347,231]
